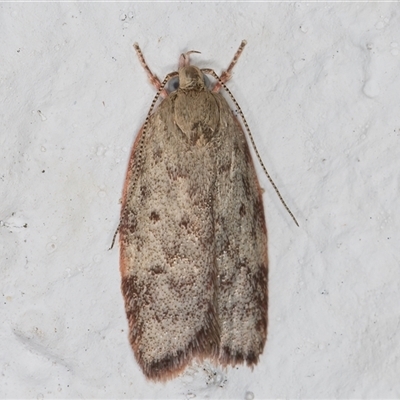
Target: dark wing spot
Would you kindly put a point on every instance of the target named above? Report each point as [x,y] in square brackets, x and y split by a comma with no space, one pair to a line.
[184,222]
[144,193]
[154,216]
[157,269]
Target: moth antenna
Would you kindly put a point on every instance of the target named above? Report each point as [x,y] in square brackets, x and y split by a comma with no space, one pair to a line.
[160,92]
[115,235]
[212,72]
[141,143]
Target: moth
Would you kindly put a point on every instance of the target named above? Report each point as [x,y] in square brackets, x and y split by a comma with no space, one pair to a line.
[193,239]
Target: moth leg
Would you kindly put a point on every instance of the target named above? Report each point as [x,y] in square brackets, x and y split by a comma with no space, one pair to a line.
[153,78]
[226,75]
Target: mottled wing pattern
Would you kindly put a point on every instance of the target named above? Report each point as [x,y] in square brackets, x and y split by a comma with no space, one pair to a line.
[241,247]
[169,275]
[193,239]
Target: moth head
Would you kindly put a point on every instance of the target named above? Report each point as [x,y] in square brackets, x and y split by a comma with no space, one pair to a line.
[191,80]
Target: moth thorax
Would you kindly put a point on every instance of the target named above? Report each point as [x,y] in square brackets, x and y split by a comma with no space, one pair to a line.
[191,77]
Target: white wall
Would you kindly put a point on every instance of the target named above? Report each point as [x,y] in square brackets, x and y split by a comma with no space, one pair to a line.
[319,85]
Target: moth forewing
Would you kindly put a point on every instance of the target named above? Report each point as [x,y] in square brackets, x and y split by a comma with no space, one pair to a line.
[193,240]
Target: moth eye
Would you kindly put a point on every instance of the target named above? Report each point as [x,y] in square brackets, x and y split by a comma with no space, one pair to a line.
[207,82]
[173,84]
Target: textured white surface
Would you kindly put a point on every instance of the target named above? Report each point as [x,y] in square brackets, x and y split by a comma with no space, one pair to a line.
[319,85]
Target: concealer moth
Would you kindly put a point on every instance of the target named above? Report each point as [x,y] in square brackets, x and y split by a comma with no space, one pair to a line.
[193,239]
